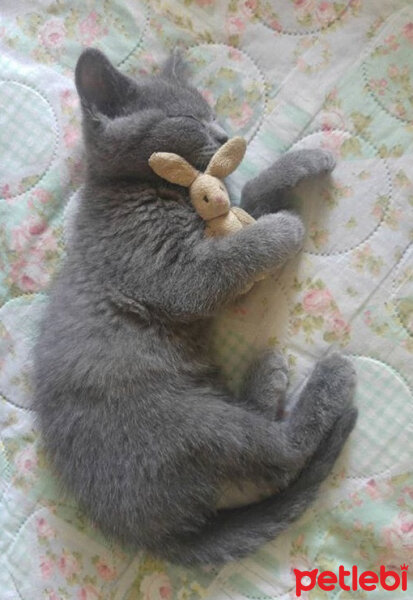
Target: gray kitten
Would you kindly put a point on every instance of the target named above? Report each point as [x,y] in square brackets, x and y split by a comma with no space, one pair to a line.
[133,414]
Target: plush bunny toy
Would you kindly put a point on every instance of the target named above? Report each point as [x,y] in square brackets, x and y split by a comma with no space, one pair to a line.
[207,192]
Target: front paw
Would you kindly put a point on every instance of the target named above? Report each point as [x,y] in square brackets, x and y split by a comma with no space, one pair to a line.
[293,231]
[277,237]
[321,161]
[308,163]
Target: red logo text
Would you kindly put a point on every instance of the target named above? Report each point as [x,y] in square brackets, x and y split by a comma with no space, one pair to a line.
[351,580]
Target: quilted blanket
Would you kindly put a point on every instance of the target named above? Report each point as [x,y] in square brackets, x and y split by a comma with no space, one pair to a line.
[284,74]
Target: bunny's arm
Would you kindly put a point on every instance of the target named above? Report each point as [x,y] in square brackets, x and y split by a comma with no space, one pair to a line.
[243,217]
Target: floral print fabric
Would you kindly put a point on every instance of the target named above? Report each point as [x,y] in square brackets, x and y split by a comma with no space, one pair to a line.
[286,75]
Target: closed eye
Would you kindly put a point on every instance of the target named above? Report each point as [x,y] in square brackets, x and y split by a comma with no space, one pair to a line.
[184,117]
[191,117]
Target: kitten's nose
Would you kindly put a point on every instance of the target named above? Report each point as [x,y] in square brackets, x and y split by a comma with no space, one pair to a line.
[222,137]
[219,133]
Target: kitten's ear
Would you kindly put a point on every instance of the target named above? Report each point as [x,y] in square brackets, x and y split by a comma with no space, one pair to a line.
[173,168]
[176,69]
[101,86]
[227,158]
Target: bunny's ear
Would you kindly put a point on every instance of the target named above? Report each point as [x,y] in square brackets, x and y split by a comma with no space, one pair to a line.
[173,168]
[227,158]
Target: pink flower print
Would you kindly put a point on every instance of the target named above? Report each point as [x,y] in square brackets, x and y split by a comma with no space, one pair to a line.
[65,95]
[325,13]
[90,29]
[20,238]
[393,71]
[368,318]
[234,26]
[332,96]
[356,500]
[29,273]
[378,210]
[251,5]
[317,302]
[379,85]
[46,567]
[371,489]
[53,596]
[379,491]
[408,490]
[44,529]
[68,564]
[42,195]
[71,136]
[47,242]
[408,32]
[21,235]
[274,24]
[355,4]
[69,99]
[53,33]
[36,226]
[209,97]
[106,571]
[399,110]
[244,117]
[234,54]
[156,586]
[89,592]
[400,533]
[333,119]
[33,232]
[338,325]
[333,141]
[6,192]
[26,461]
[304,5]
[391,43]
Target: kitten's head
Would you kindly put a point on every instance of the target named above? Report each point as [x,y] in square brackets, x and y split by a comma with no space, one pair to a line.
[126,120]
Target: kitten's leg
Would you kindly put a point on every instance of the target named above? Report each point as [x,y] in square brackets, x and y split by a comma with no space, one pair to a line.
[330,387]
[245,442]
[264,194]
[265,384]
[233,533]
[240,444]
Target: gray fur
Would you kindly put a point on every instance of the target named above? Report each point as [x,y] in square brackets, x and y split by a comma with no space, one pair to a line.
[269,190]
[133,414]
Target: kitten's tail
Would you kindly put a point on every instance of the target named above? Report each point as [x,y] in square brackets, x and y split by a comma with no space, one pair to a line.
[233,533]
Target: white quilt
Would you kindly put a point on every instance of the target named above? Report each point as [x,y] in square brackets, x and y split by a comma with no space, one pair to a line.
[284,74]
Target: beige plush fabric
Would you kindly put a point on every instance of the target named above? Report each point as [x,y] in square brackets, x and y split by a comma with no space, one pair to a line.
[208,193]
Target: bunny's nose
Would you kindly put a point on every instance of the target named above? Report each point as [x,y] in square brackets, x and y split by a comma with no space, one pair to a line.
[220,200]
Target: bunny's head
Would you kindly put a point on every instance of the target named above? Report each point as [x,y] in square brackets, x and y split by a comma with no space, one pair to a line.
[208,194]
